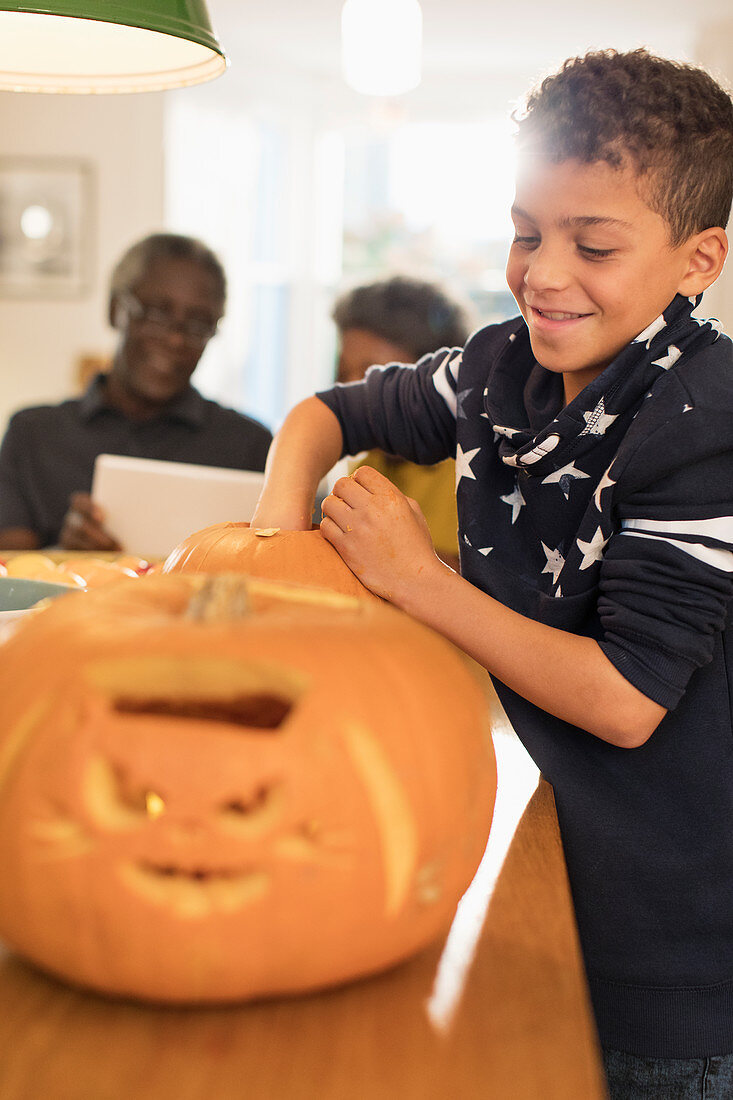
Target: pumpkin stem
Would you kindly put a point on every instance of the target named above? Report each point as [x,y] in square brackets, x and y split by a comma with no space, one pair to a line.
[220,599]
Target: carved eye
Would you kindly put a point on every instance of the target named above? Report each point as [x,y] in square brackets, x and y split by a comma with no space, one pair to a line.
[115,800]
[154,804]
[134,797]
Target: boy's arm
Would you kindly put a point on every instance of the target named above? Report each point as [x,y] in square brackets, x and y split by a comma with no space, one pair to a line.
[378,533]
[307,446]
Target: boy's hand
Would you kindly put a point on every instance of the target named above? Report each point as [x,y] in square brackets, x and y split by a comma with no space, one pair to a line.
[83,526]
[380,533]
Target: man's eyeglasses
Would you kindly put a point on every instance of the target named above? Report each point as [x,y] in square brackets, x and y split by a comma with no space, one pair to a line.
[195,333]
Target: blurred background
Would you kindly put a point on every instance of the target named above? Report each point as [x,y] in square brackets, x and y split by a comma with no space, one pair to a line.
[301,184]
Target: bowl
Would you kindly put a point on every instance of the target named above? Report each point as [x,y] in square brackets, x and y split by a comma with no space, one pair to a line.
[21,593]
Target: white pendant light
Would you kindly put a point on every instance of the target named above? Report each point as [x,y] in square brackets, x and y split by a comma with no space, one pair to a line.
[381,45]
[106,45]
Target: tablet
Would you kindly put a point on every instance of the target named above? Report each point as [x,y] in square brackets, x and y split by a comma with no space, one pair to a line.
[151,505]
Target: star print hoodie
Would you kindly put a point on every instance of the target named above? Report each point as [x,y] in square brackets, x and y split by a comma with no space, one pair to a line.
[610,518]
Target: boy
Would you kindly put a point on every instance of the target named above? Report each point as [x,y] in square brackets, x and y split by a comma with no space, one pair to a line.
[594,446]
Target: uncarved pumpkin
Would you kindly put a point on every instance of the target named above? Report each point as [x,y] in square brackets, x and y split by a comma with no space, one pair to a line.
[219,788]
[32,565]
[302,557]
[95,571]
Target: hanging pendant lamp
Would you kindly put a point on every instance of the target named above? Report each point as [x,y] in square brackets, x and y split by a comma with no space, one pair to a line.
[106,45]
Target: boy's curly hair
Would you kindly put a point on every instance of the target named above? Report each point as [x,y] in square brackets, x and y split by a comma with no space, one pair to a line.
[672,122]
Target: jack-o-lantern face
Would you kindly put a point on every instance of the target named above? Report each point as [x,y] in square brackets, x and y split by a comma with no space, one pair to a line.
[211,810]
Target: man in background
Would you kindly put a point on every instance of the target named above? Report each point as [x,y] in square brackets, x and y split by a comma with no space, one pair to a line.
[167,296]
[400,319]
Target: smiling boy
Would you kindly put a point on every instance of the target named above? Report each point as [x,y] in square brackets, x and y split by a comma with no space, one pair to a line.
[592,262]
[593,439]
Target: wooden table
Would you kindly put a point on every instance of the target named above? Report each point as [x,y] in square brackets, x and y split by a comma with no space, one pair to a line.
[499,1011]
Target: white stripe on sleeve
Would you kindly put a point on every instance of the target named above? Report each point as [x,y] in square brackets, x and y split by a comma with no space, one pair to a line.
[719,559]
[719,528]
[444,386]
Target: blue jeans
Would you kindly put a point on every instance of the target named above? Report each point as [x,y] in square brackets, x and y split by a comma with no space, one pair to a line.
[634,1078]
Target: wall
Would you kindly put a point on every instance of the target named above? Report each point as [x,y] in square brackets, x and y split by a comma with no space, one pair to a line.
[122,139]
[714,49]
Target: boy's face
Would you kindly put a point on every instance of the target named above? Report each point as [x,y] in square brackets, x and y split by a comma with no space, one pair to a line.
[591,265]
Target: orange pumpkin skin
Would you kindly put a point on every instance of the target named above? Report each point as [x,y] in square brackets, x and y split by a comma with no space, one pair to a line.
[208,811]
[302,557]
[40,567]
[95,571]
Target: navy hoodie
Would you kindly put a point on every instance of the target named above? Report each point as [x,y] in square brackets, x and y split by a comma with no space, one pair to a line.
[611,518]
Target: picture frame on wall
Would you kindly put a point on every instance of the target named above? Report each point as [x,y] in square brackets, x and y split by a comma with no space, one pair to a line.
[46,226]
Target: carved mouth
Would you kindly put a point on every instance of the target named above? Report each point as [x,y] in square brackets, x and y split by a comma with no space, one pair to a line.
[195,892]
[194,874]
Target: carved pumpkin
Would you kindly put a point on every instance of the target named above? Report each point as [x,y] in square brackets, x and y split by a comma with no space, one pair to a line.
[303,557]
[204,807]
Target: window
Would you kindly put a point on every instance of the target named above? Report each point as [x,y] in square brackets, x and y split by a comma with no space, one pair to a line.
[266,196]
[433,199]
[296,209]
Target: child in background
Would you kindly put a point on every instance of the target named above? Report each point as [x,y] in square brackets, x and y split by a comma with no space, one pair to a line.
[398,320]
[593,439]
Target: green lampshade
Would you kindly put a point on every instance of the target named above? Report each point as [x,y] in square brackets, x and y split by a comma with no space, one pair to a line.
[106,45]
